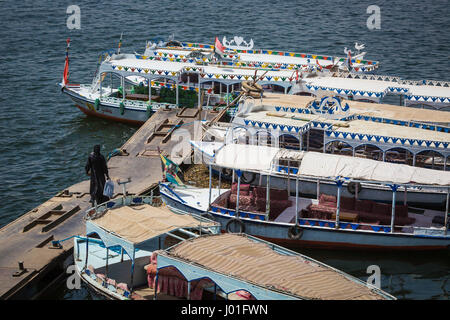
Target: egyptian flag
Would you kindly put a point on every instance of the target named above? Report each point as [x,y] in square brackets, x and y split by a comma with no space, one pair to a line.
[218,48]
[66,65]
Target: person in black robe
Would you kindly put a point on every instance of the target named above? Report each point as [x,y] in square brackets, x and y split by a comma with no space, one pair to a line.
[96,167]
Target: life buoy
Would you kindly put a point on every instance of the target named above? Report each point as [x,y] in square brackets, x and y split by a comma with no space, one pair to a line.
[351,187]
[295,232]
[228,173]
[97,104]
[122,108]
[238,222]
[249,179]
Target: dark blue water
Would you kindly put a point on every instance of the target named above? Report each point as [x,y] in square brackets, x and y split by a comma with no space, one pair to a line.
[45,139]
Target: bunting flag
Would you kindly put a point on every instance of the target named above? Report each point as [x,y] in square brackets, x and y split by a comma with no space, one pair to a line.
[171,171]
[218,48]
[66,65]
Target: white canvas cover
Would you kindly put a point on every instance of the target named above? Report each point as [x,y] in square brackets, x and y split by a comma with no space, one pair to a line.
[246,157]
[330,165]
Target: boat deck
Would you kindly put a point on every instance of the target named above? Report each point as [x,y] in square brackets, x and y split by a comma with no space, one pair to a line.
[258,264]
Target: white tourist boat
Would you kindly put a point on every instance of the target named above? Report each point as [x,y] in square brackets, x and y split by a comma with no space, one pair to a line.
[289,163]
[135,251]
[193,75]
[186,70]
[331,220]
[331,124]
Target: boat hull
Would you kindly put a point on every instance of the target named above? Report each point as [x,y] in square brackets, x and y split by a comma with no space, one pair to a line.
[107,111]
[320,237]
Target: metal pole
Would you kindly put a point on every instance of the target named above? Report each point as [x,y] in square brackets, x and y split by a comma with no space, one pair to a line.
[446,212]
[199,90]
[149,91]
[122,80]
[318,189]
[268,196]
[189,291]
[156,285]
[289,178]
[296,200]
[220,180]
[106,266]
[338,205]
[210,188]
[101,89]
[237,196]
[227,95]
[394,191]
[87,251]
[132,273]
[176,90]
[405,196]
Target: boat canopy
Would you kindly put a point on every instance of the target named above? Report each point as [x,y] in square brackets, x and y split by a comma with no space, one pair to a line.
[332,165]
[132,226]
[377,86]
[323,165]
[241,262]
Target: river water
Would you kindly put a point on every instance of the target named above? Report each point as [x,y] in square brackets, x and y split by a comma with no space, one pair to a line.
[45,139]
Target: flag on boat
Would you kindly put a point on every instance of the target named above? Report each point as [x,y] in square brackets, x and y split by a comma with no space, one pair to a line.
[171,171]
[120,43]
[218,47]
[349,59]
[318,65]
[66,65]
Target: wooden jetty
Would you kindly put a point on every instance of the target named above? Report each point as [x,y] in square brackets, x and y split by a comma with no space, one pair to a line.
[29,261]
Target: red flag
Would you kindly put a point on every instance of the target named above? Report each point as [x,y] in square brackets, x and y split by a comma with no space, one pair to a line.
[218,48]
[349,57]
[66,65]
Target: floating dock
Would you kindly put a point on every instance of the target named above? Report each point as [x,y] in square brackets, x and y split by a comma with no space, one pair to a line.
[29,262]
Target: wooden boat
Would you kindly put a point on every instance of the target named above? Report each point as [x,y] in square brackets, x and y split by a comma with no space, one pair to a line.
[136,251]
[330,221]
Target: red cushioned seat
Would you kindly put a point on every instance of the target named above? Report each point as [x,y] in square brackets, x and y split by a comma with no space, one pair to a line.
[328,204]
[347,203]
[381,209]
[245,202]
[244,189]
[278,194]
[326,198]
[401,211]
[364,206]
